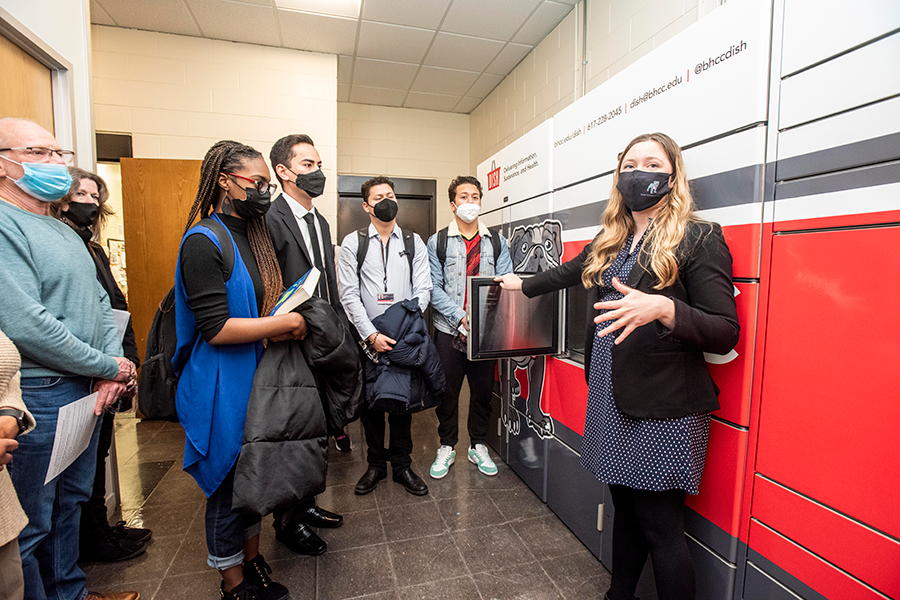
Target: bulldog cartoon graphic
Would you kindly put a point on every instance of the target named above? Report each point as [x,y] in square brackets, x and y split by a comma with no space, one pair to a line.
[533,248]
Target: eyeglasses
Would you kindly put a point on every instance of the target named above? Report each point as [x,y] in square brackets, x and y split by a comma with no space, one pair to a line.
[44,154]
[261,186]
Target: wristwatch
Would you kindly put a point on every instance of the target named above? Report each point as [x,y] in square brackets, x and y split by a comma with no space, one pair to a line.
[18,415]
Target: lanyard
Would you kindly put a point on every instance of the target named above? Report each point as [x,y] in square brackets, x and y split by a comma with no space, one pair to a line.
[384,259]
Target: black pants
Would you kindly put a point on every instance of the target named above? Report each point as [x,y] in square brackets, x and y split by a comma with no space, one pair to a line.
[480,374]
[94,524]
[650,522]
[400,441]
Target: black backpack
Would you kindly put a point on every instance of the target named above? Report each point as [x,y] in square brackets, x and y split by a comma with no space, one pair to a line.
[409,247]
[158,381]
[442,246]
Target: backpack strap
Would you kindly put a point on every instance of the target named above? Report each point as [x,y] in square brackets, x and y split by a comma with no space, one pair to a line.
[225,243]
[362,247]
[495,242]
[409,246]
[442,246]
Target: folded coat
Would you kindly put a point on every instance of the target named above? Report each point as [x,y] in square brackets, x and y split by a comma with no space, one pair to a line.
[410,377]
[283,456]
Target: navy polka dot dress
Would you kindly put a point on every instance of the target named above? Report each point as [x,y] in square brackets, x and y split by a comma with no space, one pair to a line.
[648,454]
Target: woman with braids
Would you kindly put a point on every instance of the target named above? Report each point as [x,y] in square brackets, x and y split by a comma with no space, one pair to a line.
[660,295]
[221,321]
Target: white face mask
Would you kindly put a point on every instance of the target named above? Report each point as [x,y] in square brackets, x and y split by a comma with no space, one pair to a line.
[468,212]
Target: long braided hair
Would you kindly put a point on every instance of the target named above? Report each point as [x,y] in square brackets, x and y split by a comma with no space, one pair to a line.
[229,155]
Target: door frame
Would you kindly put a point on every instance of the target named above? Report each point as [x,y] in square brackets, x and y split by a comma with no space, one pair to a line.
[61,80]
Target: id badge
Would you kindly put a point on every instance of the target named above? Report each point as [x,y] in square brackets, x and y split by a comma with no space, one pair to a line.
[385,298]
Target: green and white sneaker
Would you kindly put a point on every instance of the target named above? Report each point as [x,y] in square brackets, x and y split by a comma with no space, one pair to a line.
[446,456]
[479,456]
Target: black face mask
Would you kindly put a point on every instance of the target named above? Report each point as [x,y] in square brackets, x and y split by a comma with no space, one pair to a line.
[642,189]
[254,206]
[82,214]
[386,210]
[313,183]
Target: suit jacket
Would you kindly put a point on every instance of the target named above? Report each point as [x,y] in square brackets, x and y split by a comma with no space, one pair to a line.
[656,372]
[293,257]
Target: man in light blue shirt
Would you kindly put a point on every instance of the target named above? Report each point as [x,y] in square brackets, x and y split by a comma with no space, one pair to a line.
[468,248]
[367,291]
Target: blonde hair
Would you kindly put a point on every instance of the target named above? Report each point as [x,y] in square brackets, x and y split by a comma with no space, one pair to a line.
[663,235]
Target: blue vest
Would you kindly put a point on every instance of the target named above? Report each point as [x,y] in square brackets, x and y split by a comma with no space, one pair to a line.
[214,381]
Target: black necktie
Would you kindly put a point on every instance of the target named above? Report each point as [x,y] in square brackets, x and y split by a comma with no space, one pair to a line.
[322,289]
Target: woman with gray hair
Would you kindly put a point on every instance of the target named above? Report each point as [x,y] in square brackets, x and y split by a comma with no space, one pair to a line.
[85,209]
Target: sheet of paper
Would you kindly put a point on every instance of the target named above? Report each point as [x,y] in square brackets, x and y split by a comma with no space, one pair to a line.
[121,317]
[73,434]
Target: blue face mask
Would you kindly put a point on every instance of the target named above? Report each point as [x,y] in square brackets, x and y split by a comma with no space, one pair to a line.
[45,181]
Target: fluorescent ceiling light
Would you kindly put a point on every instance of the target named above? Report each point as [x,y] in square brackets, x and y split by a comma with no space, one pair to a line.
[337,8]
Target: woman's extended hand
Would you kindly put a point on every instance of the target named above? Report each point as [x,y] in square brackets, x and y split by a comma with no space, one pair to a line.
[634,310]
[510,281]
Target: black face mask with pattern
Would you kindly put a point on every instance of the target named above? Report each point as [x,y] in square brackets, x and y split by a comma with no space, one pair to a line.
[642,189]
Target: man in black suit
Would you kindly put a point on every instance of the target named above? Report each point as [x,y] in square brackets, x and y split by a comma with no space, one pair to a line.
[302,239]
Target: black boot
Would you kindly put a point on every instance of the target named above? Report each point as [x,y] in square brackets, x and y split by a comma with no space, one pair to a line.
[256,575]
[109,548]
[242,591]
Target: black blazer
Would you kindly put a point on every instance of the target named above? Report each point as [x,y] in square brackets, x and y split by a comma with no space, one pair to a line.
[293,258]
[658,373]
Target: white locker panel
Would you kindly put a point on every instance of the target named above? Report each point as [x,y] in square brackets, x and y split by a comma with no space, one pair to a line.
[862,76]
[815,30]
[857,137]
[519,171]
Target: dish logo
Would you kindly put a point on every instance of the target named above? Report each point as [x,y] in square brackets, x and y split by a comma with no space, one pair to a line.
[493,176]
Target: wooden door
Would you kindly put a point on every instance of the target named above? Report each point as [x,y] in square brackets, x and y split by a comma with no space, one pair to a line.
[31,96]
[157,196]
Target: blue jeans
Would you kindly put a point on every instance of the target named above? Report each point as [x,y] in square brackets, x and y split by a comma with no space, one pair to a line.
[227,530]
[49,543]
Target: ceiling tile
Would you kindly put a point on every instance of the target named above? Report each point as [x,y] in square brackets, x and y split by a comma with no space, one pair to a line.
[497,19]
[223,20]
[508,58]
[168,16]
[318,33]
[485,85]
[431,101]
[462,52]
[99,16]
[569,2]
[361,94]
[467,105]
[343,92]
[337,8]
[542,22]
[435,80]
[345,68]
[383,74]
[414,13]
[393,42]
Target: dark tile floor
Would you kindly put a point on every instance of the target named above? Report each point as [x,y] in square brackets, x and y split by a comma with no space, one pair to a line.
[472,537]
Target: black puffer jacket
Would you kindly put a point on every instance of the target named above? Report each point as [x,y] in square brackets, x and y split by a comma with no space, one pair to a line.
[282,458]
[297,386]
[333,357]
[410,377]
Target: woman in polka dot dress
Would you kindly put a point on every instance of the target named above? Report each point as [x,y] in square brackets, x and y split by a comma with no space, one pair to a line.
[660,291]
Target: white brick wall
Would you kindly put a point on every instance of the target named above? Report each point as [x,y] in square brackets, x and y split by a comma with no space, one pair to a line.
[619,32]
[404,142]
[179,95]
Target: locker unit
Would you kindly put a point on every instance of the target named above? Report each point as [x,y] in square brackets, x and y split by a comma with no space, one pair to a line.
[788,113]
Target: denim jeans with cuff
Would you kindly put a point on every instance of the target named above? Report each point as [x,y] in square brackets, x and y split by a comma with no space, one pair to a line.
[227,530]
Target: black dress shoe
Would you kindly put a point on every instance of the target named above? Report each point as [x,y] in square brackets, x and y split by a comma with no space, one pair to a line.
[369,481]
[319,517]
[412,482]
[301,539]
[132,534]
